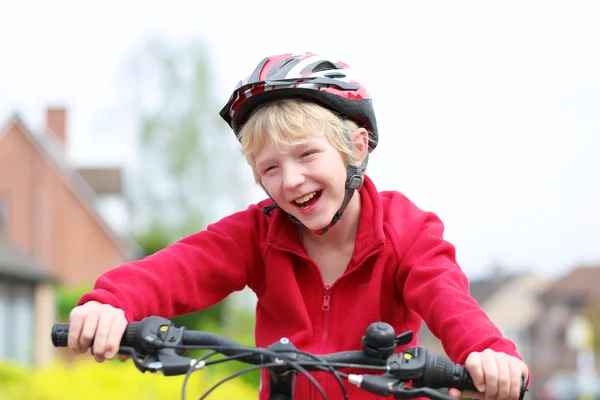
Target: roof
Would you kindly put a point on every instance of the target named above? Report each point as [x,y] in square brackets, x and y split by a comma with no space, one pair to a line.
[49,146]
[482,290]
[579,282]
[516,305]
[14,263]
[103,180]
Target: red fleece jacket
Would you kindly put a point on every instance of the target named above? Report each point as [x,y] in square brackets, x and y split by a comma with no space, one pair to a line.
[402,271]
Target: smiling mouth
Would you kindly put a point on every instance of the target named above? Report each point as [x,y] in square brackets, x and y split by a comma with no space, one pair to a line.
[307,200]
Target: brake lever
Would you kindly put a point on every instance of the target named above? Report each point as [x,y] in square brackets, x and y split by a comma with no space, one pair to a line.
[403,392]
[385,385]
[432,394]
[143,366]
[166,361]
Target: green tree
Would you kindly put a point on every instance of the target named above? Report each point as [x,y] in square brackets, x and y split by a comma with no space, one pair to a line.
[188,165]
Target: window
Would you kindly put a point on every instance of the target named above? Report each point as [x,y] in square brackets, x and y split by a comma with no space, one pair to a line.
[16,322]
[574,301]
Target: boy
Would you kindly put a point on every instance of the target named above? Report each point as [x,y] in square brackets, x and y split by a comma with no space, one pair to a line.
[326,254]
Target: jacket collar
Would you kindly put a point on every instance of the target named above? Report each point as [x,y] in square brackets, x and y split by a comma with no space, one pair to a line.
[283,232]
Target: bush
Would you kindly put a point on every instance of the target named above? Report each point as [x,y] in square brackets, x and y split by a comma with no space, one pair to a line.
[86,379]
[67,298]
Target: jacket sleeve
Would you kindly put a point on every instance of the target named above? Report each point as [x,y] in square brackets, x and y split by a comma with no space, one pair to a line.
[435,287]
[189,275]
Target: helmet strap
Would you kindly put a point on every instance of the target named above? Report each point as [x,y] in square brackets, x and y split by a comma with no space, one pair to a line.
[354,182]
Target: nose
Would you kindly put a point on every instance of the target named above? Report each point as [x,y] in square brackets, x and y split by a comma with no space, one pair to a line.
[293,176]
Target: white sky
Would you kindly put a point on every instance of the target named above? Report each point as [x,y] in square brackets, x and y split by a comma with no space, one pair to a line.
[487,111]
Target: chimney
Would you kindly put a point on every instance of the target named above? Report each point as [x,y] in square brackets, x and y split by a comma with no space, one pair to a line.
[56,122]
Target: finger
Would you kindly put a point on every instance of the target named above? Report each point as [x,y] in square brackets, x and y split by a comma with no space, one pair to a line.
[115,335]
[88,330]
[99,358]
[105,320]
[75,324]
[518,371]
[504,376]
[473,364]
[123,358]
[490,372]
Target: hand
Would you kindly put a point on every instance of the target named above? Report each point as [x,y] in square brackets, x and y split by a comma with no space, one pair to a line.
[495,375]
[101,324]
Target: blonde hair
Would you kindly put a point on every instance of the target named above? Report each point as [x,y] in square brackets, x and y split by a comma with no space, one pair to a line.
[290,122]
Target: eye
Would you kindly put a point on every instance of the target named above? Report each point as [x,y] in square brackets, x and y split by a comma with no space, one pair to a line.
[308,153]
[267,169]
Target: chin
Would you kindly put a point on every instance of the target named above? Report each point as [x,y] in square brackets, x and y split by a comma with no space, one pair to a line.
[315,224]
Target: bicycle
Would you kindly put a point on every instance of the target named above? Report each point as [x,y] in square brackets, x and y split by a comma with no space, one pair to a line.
[156,345]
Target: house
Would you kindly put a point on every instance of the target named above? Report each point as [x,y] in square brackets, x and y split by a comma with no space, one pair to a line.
[512,304]
[572,295]
[26,301]
[51,230]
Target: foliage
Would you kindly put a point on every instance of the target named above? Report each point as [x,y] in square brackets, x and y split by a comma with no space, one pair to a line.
[67,298]
[189,163]
[237,324]
[86,379]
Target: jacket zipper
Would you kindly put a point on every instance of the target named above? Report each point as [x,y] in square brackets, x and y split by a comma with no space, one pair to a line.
[327,289]
[325,306]
[326,298]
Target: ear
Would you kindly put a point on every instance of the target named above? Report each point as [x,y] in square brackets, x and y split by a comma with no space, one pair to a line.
[360,143]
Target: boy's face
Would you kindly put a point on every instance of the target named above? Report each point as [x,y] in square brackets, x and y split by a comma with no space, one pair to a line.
[305,180]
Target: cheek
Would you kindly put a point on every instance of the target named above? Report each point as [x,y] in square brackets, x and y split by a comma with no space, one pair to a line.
[271,186]
[338,176]
[336,184]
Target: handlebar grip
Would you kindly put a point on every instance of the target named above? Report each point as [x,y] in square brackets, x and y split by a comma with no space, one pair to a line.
[60,335]
[440,372]
[464,380]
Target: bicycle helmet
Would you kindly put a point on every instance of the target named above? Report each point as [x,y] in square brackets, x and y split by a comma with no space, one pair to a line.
[310,77]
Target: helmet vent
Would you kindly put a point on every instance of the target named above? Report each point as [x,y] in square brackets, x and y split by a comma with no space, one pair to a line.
[335,75]
[324,66]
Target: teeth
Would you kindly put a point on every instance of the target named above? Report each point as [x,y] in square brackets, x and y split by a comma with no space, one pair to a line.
[306,198]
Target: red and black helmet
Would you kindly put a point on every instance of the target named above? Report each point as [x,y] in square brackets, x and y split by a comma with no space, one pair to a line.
[308,76]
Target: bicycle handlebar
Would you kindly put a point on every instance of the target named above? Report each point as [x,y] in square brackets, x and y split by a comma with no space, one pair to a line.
[156,345]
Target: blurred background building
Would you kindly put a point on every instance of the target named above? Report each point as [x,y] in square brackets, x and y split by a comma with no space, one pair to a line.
[51,231]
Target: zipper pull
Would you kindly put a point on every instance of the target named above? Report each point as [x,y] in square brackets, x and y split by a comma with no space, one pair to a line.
[326,298]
